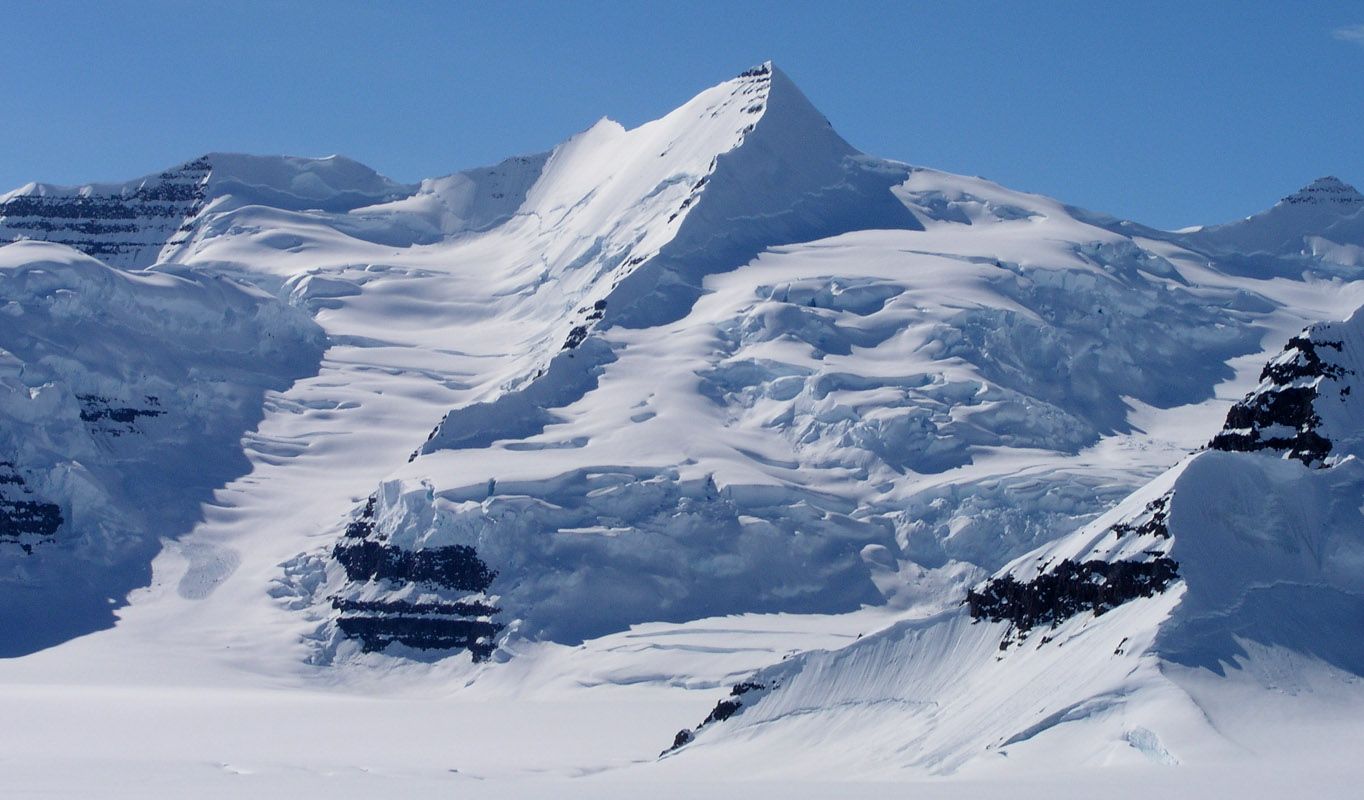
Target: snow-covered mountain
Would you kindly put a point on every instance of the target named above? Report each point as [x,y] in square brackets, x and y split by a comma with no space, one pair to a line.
[1326,215]
[717,401]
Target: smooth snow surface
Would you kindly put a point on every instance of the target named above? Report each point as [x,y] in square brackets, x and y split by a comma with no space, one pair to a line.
[717,400]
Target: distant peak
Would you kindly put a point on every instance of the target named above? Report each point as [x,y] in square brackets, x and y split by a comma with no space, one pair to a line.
[1327,191]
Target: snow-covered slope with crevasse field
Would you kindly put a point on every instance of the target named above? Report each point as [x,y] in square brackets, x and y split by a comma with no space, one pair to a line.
[1240,562]
[602,432]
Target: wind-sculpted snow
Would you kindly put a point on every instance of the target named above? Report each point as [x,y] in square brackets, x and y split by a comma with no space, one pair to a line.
[466,202]
[122,402]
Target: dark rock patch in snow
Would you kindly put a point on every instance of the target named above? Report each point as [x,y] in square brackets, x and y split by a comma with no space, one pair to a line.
[1069,589]
[104,415]
[726,708]
[1155,523]
[1282,413]
[424,633]
[377,605]
[25,519]
[126,226]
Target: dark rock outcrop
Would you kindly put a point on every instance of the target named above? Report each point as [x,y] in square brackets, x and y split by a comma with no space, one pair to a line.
[1154,521]
[428,599]
[126,226]
[25,518]
[726,708]
[1068,589]
[112,417]
[1281,414]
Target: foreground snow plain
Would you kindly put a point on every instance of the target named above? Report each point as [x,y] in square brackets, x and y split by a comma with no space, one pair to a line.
[874,385]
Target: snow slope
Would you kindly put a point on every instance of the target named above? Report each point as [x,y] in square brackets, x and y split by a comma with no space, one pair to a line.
[599,433]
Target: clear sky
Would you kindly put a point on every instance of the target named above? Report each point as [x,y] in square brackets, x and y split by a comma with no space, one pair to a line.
[1170,113]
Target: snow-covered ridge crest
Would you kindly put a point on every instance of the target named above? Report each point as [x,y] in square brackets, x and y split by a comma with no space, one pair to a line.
[1328,190]
[149,219]
[744,166]
[790,177]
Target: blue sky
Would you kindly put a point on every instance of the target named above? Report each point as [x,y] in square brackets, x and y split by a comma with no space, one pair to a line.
[1168,113]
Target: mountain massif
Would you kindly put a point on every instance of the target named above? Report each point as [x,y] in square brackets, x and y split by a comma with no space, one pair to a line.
[788,462]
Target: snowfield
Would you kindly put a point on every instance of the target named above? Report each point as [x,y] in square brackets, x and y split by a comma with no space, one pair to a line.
[709,456]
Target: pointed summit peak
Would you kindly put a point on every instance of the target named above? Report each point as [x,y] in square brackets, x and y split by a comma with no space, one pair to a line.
[759,71]
[1327,191]
[771,100]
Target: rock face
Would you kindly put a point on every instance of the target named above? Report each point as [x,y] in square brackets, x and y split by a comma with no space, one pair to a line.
[1304,407]
[427,599]
[1069,589]
[125,225]
[25,518]
[724,709]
